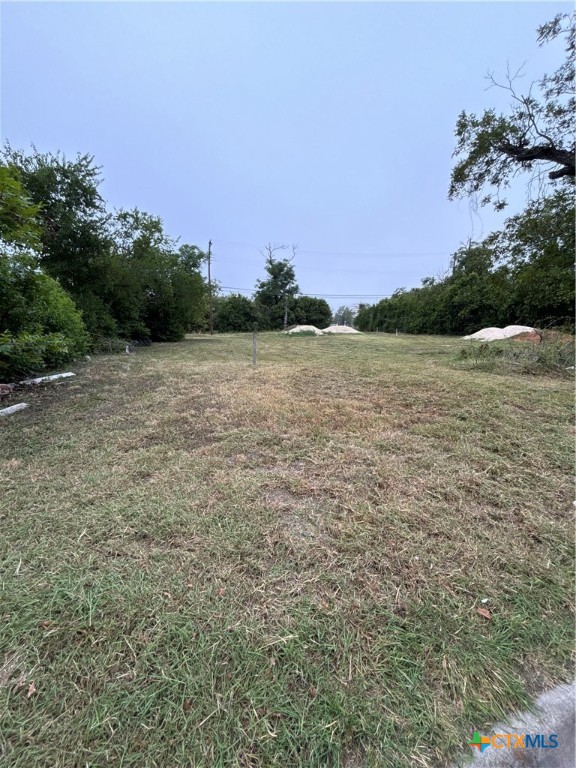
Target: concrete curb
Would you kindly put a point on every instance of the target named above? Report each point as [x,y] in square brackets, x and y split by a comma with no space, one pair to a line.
[554,712]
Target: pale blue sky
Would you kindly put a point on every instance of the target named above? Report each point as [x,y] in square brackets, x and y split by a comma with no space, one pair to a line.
[329,125]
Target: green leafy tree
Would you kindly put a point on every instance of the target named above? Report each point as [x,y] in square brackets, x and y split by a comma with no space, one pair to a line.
[40,327]
[536,136]
[18,215]
[308,310]
[274,295]
[236,313]
[124,273]
[537,250]
[75,247]
[344,316]
[474,294]
[523,274]
[364,318]
[165,294]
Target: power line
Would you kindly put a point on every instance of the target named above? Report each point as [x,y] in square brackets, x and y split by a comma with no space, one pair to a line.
[319,295]
[343,253]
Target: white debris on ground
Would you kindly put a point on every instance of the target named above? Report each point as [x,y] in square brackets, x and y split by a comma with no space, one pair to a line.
[13,409]
[8,389]
[340,329]
[494,334]
[318,332]
[42,379]
[304,328]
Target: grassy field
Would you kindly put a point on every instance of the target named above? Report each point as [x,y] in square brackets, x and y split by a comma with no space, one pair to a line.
[205,564]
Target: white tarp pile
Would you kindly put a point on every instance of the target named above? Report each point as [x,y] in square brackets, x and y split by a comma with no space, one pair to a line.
[340,329]
[494,334]
[318,332]
[303,328]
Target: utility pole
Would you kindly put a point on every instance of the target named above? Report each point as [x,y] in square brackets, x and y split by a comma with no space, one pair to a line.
[211,307]
[286,293]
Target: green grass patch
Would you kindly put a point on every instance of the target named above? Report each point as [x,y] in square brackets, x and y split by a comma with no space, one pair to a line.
[301,333]
[207,564]
[551,355]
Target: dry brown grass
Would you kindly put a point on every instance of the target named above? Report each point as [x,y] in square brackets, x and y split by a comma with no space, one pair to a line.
[296,550]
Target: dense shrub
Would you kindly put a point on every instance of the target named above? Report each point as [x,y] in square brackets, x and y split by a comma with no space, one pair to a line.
[125,274]
[40,327]
[236,313]
[308,310]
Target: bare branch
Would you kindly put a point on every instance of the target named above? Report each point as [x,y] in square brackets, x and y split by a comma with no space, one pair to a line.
[270,250]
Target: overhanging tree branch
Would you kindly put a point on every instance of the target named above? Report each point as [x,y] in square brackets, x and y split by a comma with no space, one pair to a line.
[547,153]
[536,136]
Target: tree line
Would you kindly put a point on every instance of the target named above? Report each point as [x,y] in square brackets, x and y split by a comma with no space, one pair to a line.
[523,274]
[275,304]
[75,277]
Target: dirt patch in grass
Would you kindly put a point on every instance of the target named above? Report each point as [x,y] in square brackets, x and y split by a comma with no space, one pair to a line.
[298,517]
[7,670]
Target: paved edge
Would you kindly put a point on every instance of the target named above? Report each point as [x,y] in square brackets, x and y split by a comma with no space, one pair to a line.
[554,712]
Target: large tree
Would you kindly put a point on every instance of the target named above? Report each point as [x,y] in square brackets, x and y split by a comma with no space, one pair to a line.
[523,274]
[344,316]
[308,310]
[75,246]
[537,248]
[274,295]
[163,293]
[122,270]
[39,325]
[536,136]
[236,313]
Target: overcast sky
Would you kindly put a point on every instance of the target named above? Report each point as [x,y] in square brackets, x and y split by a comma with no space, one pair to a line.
[327,125]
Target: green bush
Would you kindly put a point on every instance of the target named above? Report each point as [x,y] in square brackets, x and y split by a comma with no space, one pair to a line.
[236,314]
[307,310]
[55,312]
[40,326]
[27,353]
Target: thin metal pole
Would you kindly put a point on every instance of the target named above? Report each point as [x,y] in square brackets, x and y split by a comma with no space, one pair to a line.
[211,307]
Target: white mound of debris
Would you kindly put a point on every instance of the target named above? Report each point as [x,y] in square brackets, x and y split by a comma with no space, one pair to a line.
[340,329]
[494,334]
[303,328]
